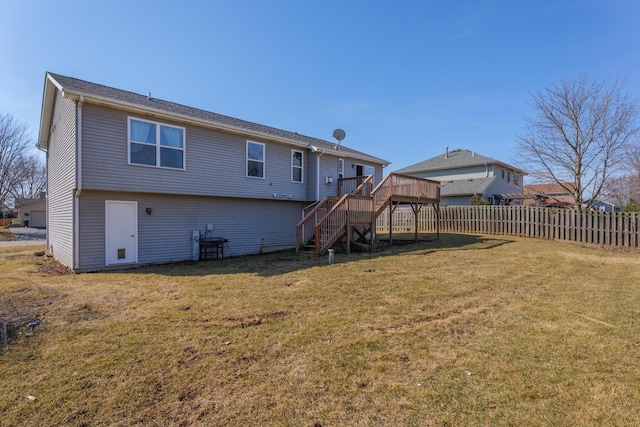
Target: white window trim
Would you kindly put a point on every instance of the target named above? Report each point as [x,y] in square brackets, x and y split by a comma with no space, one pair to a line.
[157,144]
[340,168]
[264,162]
[301,167]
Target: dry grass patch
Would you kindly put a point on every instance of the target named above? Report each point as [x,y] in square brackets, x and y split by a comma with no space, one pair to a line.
[467,330]
[6,235]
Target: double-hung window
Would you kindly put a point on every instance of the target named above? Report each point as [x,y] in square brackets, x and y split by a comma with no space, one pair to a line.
[156,144]
[296,166]
[255,159]
[340,168]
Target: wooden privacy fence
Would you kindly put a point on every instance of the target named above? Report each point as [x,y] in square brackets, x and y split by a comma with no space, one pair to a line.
[601,228]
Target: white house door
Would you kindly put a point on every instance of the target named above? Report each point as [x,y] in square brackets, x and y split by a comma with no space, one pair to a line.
[121,232]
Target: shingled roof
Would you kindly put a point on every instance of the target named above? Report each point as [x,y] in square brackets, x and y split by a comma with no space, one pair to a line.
[465,187]
[97,93]
[453,159]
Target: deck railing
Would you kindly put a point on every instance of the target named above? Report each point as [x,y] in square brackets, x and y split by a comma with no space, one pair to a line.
[365,188]
[354,184]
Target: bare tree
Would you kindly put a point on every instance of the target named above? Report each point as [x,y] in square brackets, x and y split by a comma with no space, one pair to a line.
[579,135]
[30,177]
[14,143]
[626,188]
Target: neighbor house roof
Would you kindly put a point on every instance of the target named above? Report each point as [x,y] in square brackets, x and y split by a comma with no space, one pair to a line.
[550,194]
[458,158]
[552,189]
[20,203]
[84,91]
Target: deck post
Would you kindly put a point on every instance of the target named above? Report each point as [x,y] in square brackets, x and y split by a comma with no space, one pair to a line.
[373,223]
[436,207]
[349,231]
[416,211]
[390,223]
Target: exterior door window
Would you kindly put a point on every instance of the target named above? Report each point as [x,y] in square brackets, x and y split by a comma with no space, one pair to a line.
[364,170]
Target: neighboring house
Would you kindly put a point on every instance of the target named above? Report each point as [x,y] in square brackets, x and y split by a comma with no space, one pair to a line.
[551,195]
[463,173]
[6,212]
[602,206]
[133,180]
[32,212]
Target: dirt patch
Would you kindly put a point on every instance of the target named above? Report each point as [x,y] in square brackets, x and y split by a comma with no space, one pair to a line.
[417,321]
[51,267]
[257,319]
[21,306]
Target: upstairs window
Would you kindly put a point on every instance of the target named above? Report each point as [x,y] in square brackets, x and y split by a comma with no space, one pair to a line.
[255,159]
[340,168]
[296,166]
[156,144]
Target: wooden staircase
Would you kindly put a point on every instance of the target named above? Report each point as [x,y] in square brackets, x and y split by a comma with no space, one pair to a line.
[334,218]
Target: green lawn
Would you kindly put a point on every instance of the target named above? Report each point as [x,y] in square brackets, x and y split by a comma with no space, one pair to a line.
[467,330]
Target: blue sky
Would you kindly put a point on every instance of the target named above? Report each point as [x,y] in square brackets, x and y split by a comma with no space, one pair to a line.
[404,79]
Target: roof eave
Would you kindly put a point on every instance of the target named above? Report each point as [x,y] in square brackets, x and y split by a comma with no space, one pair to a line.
[48,97]
[447,167]
[128,106]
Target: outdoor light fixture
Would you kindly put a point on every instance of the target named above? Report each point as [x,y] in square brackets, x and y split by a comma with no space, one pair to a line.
[148,210]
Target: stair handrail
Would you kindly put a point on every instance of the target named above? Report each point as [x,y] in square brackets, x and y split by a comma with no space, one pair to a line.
[306,227]
[336,221]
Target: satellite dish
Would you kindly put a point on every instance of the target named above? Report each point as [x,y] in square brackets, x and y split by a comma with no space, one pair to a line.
[339,135]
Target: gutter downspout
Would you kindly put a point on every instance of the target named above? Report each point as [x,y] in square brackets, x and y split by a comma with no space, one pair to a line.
[76,201]
[46,187]
[318,155]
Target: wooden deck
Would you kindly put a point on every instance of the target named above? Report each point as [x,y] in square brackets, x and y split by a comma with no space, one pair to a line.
[355,213]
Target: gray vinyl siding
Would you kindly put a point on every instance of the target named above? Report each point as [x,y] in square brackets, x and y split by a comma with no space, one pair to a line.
[61,180]
[310,175]
[328,167]
[165,235]
[502,186]
[215,163]
[455,200]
